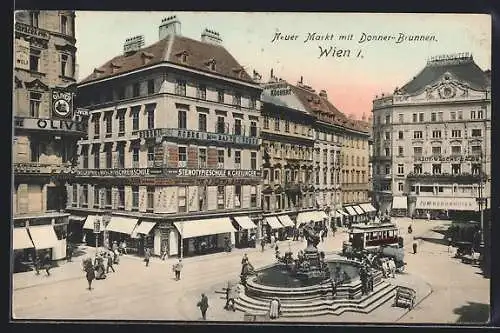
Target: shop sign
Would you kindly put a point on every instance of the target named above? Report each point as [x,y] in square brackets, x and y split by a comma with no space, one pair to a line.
[62,103]
[22,54]
[31,30]
[447,203]
[97,226]
[133,172]
[439,158]
[52,124]
[212,173]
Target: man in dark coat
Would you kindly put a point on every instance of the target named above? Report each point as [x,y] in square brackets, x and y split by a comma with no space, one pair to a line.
[109,263]
[47,263]
[147,256]
[203,305]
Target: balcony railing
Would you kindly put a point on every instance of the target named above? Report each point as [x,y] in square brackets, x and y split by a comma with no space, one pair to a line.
[32,168]
[197,135]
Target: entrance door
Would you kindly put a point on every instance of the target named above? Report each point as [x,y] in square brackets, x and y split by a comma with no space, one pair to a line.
[172,243]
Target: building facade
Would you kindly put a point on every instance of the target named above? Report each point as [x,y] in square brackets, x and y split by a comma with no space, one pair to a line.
[431,141]
[46,130]
[172,159]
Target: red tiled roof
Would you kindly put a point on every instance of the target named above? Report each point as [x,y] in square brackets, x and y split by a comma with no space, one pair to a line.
[198,56]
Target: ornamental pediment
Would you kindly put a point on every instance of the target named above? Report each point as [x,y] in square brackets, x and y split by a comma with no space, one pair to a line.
[36,84]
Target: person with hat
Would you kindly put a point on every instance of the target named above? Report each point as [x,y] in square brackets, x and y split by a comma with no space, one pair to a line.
[203,305]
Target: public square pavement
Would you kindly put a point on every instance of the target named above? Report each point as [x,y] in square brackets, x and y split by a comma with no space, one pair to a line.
[449,291]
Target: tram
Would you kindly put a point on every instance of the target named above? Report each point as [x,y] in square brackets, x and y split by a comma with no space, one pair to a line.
[373,236]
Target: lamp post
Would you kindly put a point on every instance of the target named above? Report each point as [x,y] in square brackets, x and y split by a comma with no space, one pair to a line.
[182,240]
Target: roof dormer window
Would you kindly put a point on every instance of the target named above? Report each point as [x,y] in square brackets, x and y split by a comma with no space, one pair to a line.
[212,65]
[146,57]
[114,67]
[183,56]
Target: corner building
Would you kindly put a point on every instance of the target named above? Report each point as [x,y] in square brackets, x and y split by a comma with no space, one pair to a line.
[172,159]
[431,141]
[46,130]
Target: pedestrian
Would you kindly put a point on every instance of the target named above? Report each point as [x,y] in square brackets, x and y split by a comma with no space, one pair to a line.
[90,272]
[253,240]
[273,240]
[164,252]
[109,263]
[123,246]
[36,264]
[69,252]
[47,263]
[244,260]
[410,229]
[277,251]
[147,255]
[231,295]
[428,217]
[262,245]
[203,305]
[414,245]
[449,244]
[116,256]
[177,269]
[274,308]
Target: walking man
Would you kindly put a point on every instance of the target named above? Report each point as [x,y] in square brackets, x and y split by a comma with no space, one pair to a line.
[262,244]
[178,269]
[414,245]
[37,264]
[203,305]
[147,256]
[69,252]
[47,263]
[109,263]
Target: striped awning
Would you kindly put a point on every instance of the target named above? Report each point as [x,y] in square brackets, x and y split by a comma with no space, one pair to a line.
[245,222]
[89,222]
[286,220]
[342,213]
[351,211]
[197,228]
[358,210]
[273,222]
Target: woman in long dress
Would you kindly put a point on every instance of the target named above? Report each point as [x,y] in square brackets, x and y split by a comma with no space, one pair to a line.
[90,273]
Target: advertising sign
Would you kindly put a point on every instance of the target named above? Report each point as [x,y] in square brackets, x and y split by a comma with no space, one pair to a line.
[62,103]
[22,54]
[97,225]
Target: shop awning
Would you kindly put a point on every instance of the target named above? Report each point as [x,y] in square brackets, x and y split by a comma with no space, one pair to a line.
[358,210]
[21,239]
[351,211]
[89,222]
[367,207]
[77,218]
[121,224]
[339,212]
[399,203]
[286,220]
[245,222]
[44,236]
[447,203]
[306,217]
[320,215]
[273,222]
[145,227]
[197,228]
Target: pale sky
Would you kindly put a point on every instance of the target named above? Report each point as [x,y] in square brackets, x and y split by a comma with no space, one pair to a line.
[351,82]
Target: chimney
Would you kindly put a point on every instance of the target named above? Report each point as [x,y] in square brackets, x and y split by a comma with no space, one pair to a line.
[169,26]
[323,94]
[272,73]
[210,36]
[133,44]
[301,80]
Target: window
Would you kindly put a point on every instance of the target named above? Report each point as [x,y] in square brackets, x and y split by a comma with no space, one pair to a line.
[135,157]
[84,195]
[237,127]
[121,92]
[460,115]
[107,197]
[35,60]
[456,150]
[277,124]
[182,119]
[121,197]
[150,198]
[97,156]
[401,169]
[220,96]
[220,158]
[121,155]
[121,122]
[253,128]
[237,159]
[417,151]
[436,169]
[237,99]
[453,115]
[476,132]
[108,118]
[253,196]
[64,25]
[387,152]
[252,103]
[201,92]
[456,133]
[64,63]
[417,134]
[414,117]
[220,197]
[151,156]
[421,117]
[135,197]
[253,160]
[400,135]
[180,87]
[436,150]
[401,118]
[400,151]
[34,18]
[433,116]
[202,157]
[266,122]
[387,169]
[417,168]
[357,160]
[221,125]
[85,156]
[74,203]
[202,197]
[387,119]
[182,151]
[387,135]
[476,169]
[455,169]
[480,114]
[436,134]
[202,122]
[35,99]
[287,126]
[96,197]
[440,116]
[473,115]
[136,89]
[135,118]
[181,199]
[150,109]
[109,157]
[476,150]
[151,87]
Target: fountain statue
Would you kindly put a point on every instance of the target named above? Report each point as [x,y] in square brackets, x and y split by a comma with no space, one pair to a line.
[312,261]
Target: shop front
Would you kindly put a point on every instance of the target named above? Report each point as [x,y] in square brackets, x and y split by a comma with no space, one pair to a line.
[121,228]
[463,208]
[361,213]
[45,240]
[89,237]
[24,250]
[246,235]
[399,206]
[205,236]
[288,225]
[317,217]
[75,229]
[369,210]
[273,227]
[352,218]
[342,217]
[143,234]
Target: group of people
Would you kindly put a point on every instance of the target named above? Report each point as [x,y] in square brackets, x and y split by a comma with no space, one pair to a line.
[366,276]
[42,262]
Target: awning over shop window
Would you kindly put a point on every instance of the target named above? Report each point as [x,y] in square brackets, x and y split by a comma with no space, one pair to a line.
[306,217]
[320,215]
[358,210]
[44,236]
[145,227]
[21,239]
[273,222]
[89,222]
[367,207]
[341,213]
[77,218]
[245,222]
[351,211]
[286,220]
[121,224]
[197,228]
[399,203]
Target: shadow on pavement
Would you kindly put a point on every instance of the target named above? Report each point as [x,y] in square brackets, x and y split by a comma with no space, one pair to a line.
[473,313]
